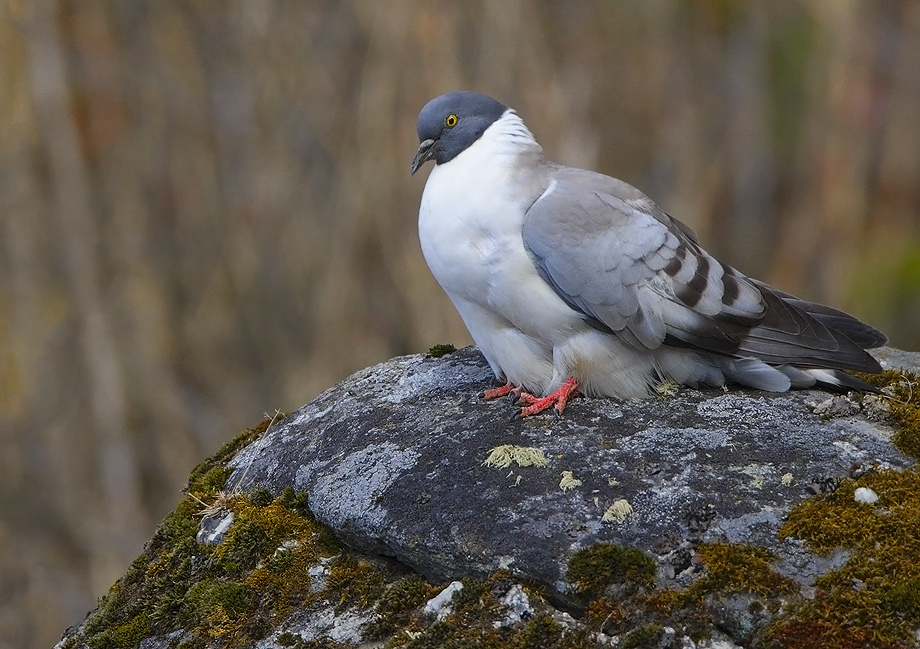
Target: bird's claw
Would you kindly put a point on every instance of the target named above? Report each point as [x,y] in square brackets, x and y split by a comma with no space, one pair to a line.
[558,398]
[530,404]
[499,392]
[527,399]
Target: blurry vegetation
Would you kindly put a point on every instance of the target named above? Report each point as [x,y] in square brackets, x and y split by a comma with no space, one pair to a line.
[206,212]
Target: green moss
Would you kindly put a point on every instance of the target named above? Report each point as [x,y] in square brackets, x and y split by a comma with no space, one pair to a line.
[740,568]
[358,581]
[225,594]
[296,501]
[441,350]
[222,594]
[261,497]
[126,636]
[616,586]
[397,605]
[471,624]
[259,531]
[648,636]
[593,570]
[235,593]
[728,569]
[904,405]
[212,603]
[903,599]
[296,642]
[209,481]
[874,598]
[211,475]
[542,631]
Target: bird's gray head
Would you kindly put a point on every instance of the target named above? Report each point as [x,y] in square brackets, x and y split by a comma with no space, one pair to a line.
[450,123]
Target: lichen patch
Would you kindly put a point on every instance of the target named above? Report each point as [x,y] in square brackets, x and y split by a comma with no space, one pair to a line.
[568,481]
[507,454]
[619,512]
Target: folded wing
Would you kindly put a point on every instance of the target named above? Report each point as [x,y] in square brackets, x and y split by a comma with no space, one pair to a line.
[634,271]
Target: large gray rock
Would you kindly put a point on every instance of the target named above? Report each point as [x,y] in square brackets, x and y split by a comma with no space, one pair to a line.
[393,461]
[403,460]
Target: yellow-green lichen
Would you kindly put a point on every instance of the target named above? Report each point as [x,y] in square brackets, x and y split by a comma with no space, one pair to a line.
[619,512]
[667,388]
[507,454]
[568,481]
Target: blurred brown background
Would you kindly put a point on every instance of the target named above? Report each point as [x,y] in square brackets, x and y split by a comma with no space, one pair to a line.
[206,212]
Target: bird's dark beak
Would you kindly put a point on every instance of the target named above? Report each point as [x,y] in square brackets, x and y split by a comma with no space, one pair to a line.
[424,153]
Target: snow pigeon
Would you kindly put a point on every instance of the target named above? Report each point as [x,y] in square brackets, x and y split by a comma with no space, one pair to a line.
[571,280]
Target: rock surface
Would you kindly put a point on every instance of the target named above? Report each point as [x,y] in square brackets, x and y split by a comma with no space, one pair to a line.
[393,461]
[405,461]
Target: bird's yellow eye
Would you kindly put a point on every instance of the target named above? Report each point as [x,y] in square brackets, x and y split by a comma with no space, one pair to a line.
[451,120]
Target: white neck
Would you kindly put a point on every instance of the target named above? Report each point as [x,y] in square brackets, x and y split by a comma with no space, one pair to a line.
[510,133]
[482,173]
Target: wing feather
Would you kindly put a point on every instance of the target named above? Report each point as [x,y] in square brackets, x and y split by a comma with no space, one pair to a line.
[633,270]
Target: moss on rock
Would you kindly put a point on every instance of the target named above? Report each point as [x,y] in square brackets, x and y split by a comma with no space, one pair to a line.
[231,594]
[903,390]
[276,560]
[441,349]
[874,598]
[740,568]
[593,570]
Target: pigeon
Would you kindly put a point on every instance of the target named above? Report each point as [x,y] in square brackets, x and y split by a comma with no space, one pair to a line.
[572,281]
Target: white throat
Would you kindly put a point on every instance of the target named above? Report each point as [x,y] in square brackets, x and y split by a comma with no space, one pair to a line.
[473,206]
[482,172]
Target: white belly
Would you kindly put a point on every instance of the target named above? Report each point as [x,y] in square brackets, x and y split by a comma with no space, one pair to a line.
[481,264]
[470,228]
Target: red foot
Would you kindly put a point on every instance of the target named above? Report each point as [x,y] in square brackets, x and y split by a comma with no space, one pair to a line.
[559,397]
[497,393]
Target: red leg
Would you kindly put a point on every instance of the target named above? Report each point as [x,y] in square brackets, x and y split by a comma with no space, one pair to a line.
[497,393]
[559,397]
[526,399]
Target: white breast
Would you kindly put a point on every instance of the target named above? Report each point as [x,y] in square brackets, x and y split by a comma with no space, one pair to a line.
[470,223]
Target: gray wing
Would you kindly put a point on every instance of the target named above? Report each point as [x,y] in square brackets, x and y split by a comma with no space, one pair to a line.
[635,271]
